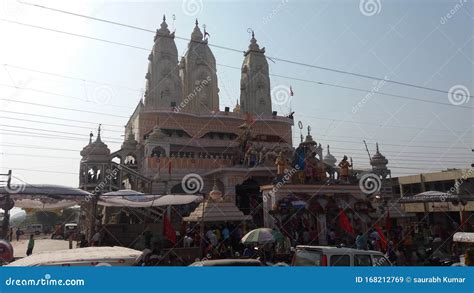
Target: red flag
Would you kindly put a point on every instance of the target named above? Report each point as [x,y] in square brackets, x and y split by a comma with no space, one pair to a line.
[388,221]
[168,230]
[291,91]
[383,240]
[345,223]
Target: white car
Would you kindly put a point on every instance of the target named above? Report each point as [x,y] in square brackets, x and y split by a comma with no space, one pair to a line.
[337,256]
[88,256]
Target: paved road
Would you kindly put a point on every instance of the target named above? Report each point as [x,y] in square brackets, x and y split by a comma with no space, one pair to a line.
[42,243]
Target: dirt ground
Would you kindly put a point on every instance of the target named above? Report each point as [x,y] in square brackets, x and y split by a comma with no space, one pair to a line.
[42,243]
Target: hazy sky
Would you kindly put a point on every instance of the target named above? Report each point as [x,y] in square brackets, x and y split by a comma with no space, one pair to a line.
[428,43]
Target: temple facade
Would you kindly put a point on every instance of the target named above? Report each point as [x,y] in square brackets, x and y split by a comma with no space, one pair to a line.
[179,141]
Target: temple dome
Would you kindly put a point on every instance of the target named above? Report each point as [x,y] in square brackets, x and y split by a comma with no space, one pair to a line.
[253,46]
[96,150]
[197,35]
[236,108]
[329,159]
[215,194]
[157,134]
[163,31]
[378,160]
[130,143]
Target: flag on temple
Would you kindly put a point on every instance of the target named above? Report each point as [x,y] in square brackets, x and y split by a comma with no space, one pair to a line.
[291,91]
[168,230]
[388,221]
[345,223]
[383,240]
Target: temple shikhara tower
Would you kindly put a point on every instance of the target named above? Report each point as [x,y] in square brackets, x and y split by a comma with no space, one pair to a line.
[255,81]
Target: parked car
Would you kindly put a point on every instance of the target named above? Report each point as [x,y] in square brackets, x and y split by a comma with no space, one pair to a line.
[36,229]
[337,256]
[88,256]
[227,263]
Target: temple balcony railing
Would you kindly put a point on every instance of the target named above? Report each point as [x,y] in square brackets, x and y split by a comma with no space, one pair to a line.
[166,165]
[220,114]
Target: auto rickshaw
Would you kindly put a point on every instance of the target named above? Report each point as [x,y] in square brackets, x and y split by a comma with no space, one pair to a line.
[464,242]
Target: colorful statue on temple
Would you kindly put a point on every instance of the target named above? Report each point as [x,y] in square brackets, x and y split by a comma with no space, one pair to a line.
[280,163]
[344,165]
[250,157]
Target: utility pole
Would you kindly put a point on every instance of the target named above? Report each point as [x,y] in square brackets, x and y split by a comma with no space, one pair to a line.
[6,205]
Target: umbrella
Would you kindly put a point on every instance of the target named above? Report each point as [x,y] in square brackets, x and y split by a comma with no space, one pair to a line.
[261,236]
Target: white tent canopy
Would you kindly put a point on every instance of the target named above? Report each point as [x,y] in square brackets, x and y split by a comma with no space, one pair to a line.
[147,200]
[44,196]
[47,196]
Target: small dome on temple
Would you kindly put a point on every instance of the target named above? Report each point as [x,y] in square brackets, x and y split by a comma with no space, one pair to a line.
[197,35]
[236,108]
[253,46]
[86,149]
[163,31]
[329,159]
[378,160]
[156,134]
[130,143]
[215,194]
[96,150]
[309,139]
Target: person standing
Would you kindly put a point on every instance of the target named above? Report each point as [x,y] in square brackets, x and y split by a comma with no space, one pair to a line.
[11,234]
[31,245]
[95,241]
[361,242]
[18,233]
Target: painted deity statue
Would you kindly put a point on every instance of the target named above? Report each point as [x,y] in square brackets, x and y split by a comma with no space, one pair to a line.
[345,165]
[280,163]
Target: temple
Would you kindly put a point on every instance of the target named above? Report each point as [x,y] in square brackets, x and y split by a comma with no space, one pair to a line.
[179,141]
